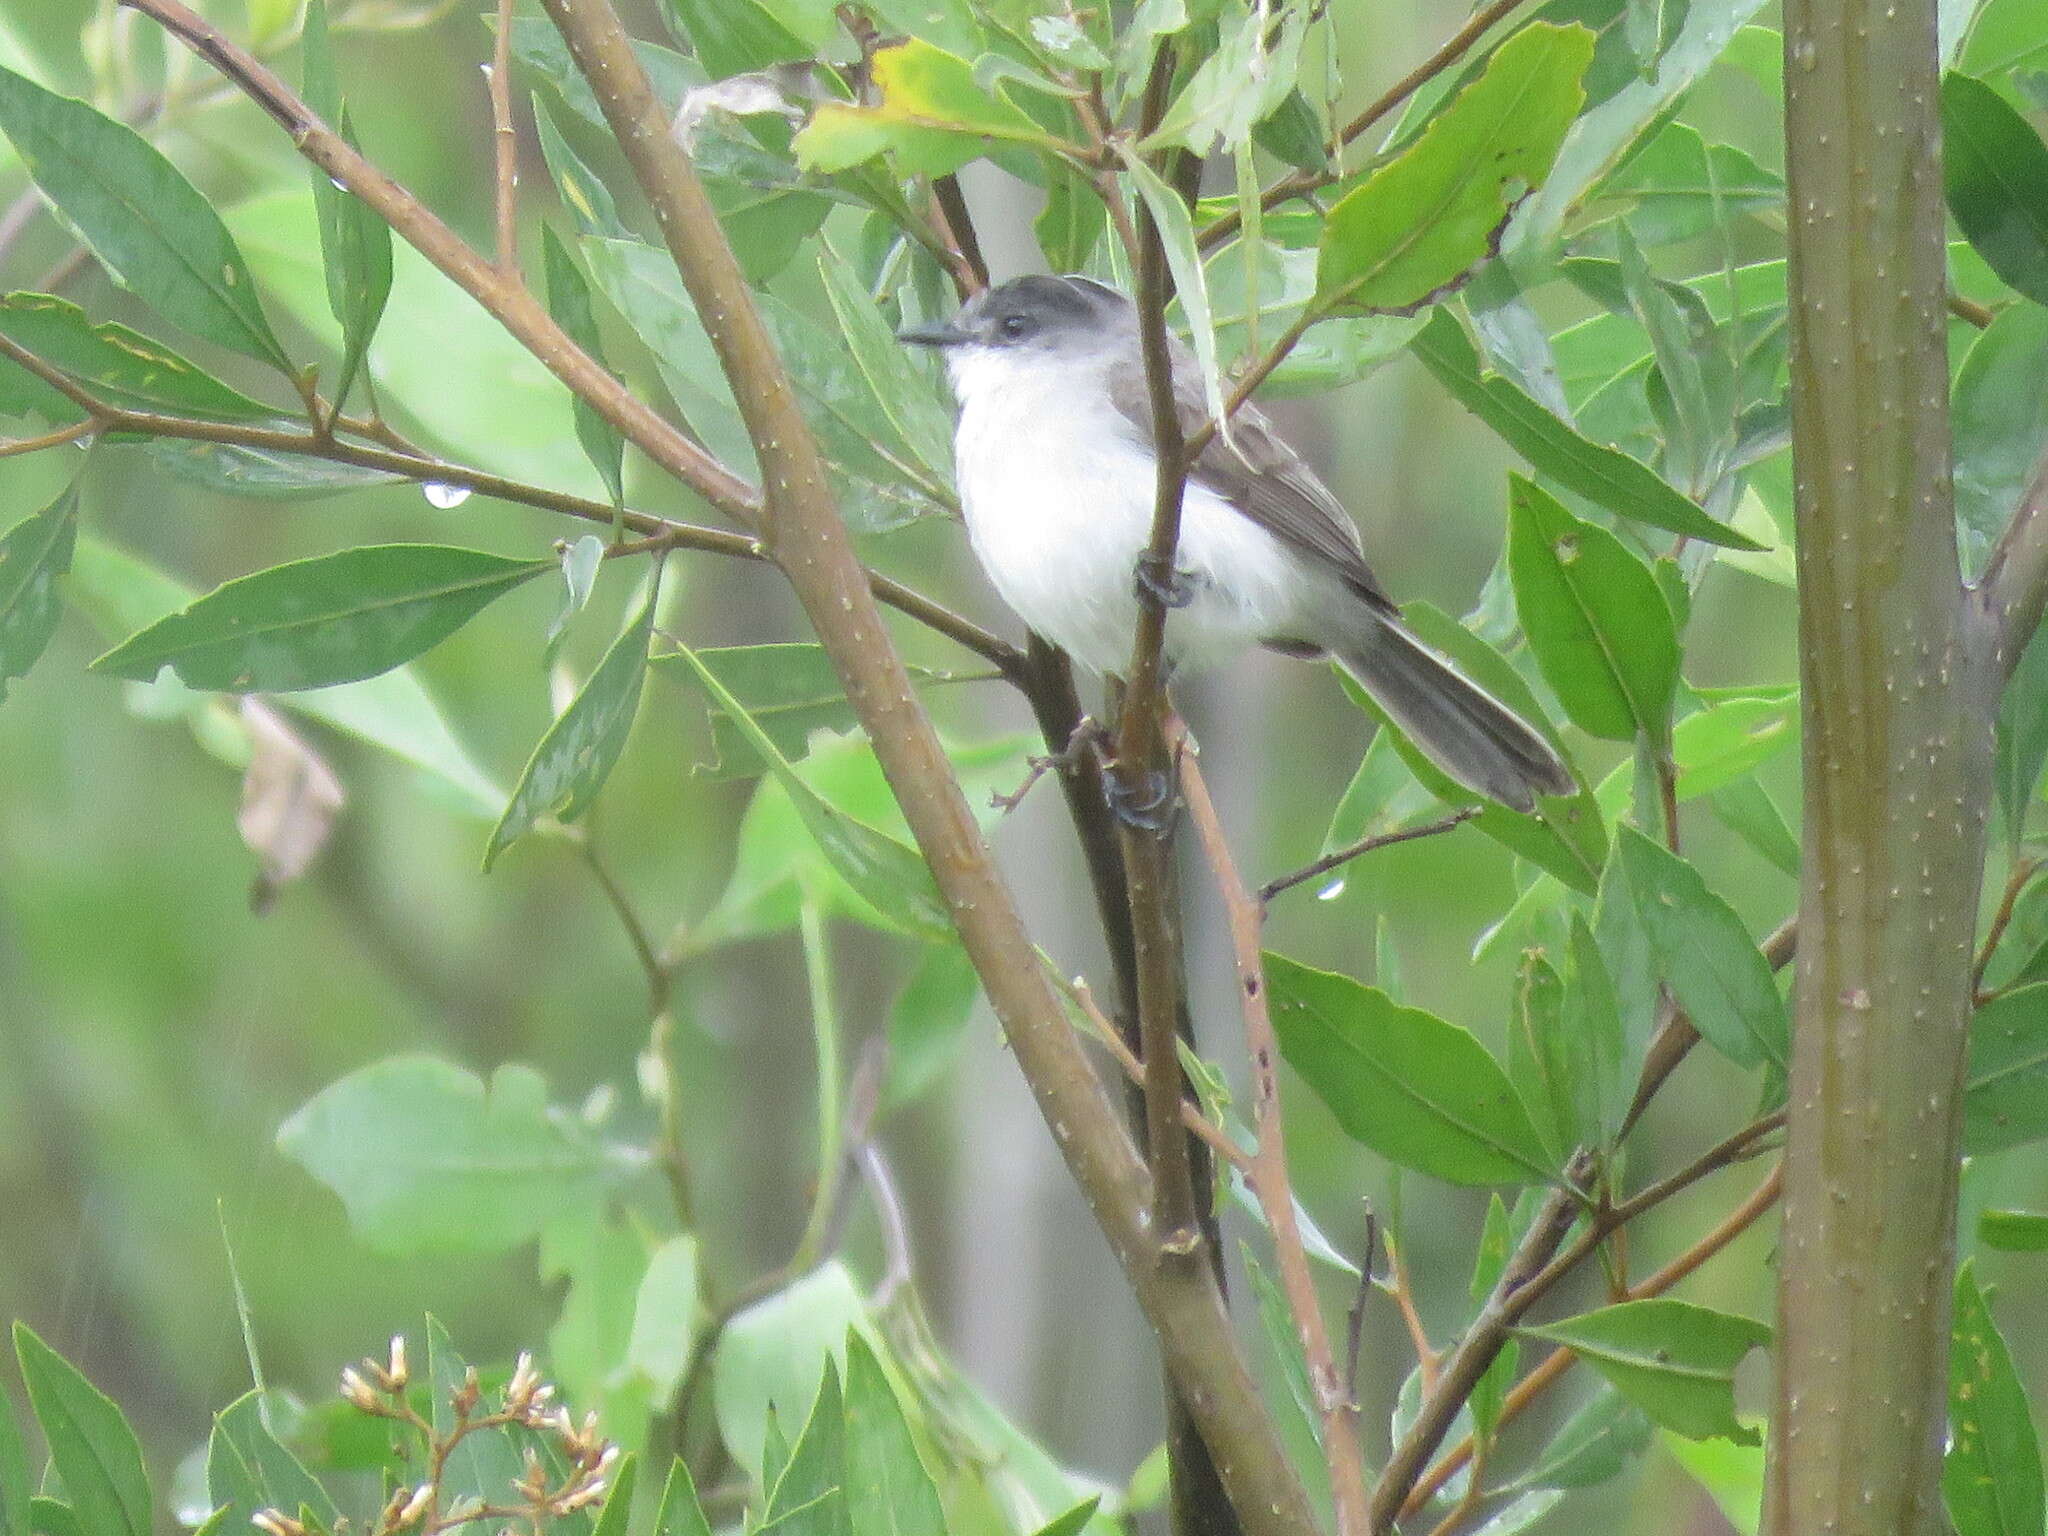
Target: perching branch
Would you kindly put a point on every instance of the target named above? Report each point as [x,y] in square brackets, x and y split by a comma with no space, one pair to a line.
[2012,593]
[805,535]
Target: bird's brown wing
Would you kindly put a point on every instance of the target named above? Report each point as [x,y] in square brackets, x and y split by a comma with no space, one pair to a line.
[1257,473]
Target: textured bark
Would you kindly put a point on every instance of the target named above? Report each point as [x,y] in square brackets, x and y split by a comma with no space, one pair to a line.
[1899,696]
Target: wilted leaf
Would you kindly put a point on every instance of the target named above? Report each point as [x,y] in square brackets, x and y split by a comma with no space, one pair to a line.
[290,798]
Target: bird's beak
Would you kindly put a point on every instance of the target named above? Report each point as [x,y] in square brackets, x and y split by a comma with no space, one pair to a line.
[933,335]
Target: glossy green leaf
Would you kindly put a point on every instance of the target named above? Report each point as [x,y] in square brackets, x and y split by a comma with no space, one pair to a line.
[33,554]
[141,217]
[928,1021]
[1422,222]
[249,1469]
[484,1462]
[904,387]
[887,875]
[581,746]
[2013,1231]
[888,1490]
[1674,1360]
[355,243]
[1701,950]
[1621,484]
[929,113]
[261,474]
[772,1356]
[92,1450]
[1598,624]
[119,366]
[1595,1444]
[1418,1090]
[1991,1474]
[2005,1098]
[1995,172]
[427,1159]
[569,303]
[331,619]
[680,1514]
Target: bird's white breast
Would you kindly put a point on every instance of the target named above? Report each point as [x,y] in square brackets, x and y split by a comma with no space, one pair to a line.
[1058,496]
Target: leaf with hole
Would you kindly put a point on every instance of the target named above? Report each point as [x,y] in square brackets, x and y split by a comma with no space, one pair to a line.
[331,619]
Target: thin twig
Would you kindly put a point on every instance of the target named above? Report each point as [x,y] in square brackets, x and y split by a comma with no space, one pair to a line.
[637,932]
[1364,845]
[1301,182]
[56,439]
[1213,1136]
[1268,1174]
[1428,1359]
[2012,592]
[1970,311]
[2022,872]
[504,145]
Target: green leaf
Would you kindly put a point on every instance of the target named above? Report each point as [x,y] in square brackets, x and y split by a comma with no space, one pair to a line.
[1996,176]
[261,474]
[1678,186]
[665,1318]
[16,1491]
[2000,424]
[1701,950]
[1241,82]
[1991,1475]
[772,1356]
[331,619]
[886,874]
[1071,223]
[426,1159]
[578,751]
[249,1469]
[34,553]
[1621,484]
[1597,1043]
[485,1462]
[808,1496]
[1190,276]
[906,391]
[92,1450]
[1735,734]
[888,1490]
[2005,1099]
[951,24]
[614,1519]
[1421,223]
[1490,1260]
[569,303]
[2013,1231]
[1596,620]
[121,367]
[929,113]
[928,1022]
[1746,809]
[580,188]
[790,690]
[1541,1063]
[680,1513]
[731,37]
[1595,1444]
[1676,1361]
[2005,35]
[355,243]
[1074,1521]
[141,217]
[1418,1090]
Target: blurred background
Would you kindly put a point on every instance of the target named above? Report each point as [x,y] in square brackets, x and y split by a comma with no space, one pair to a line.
[154,1030]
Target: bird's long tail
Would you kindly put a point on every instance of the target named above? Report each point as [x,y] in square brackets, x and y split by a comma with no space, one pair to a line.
[1456,724]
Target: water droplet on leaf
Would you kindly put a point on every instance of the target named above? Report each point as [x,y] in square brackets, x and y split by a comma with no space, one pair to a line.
[444,497]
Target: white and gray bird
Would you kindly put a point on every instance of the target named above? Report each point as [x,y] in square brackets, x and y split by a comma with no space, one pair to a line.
[1057,476]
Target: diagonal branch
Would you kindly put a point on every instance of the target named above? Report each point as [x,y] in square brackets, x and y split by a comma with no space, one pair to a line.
[2012,593]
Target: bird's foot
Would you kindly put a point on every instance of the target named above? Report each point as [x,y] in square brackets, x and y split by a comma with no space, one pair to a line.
[1171,587]
[1090,738]
[1146,801]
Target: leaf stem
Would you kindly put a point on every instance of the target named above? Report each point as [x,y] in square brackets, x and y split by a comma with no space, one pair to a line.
[1365,845]
[825,1041]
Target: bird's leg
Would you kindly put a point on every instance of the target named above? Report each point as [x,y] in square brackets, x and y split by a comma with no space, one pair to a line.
[1148,803]
[1170,586]
[1089,736]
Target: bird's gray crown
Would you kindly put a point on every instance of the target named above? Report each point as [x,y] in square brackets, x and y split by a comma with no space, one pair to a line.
[1030,311]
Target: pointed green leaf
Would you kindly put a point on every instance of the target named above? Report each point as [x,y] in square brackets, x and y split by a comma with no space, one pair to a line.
[906,391]
[1074,1521]
[2013,1231]
[1623,485]
[2005,1099]
[887,875]
[1541,1063]
[1991,1476]
[249,1469]
[772,1357]
[665,1317]
[1678,186]
[1416,1089]
[355,244]
[569,303]
[1735,733]
[1676,1361]
[809,1497]
[680,1513]
[888,1490]
[2000,424]
[486,1462]
[579,749]
[1996,176]
[16,1491]
[261,474]
[1701,950]
[1599,626]
[1190,276]
[1593,1445]
[92,1450]
[731,37]
[929,112]
[1421,223]
[614,1519]
[34,553]
[120,366]
[331,619]
[140,216]
[427,1159]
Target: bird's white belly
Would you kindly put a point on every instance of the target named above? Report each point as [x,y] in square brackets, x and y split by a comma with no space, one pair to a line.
[1059,514]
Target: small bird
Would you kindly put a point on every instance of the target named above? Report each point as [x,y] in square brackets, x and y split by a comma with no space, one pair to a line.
[1057,470]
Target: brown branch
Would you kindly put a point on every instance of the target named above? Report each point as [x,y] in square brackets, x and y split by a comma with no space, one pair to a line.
[1427,1357]
[2011,594]
[1970,311]
[2022,872]
[1300,183]
[1197,1124]
[1554,1365]
[1268,1174]
[805,535]
[55,439]
[955,229]
[1364,845]
[505,298]
[504,146]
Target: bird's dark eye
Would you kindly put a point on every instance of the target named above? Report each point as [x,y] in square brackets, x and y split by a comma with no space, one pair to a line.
[1015,327]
